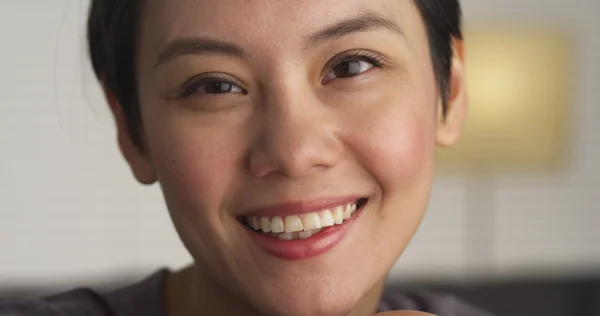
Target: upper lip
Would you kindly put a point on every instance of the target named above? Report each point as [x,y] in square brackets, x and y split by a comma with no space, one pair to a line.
[301,207]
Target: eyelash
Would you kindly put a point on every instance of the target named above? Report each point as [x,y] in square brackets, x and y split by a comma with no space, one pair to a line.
[378,61]
[191,86]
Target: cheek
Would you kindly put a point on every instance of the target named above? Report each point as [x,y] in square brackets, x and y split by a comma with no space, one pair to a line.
[396,143]
[194,165]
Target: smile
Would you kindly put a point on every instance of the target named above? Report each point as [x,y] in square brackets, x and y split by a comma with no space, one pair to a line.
[305,234]
[302,226]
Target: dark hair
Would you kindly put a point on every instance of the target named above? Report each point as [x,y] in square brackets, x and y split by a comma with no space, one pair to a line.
[113,30]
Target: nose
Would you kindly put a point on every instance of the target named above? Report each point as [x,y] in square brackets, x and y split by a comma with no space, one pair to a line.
[295,139]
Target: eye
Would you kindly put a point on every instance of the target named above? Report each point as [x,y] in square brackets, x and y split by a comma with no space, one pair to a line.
[352,66]
[211,86]
[348,69]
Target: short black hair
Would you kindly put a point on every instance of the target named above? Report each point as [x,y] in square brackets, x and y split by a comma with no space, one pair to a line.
[113,30]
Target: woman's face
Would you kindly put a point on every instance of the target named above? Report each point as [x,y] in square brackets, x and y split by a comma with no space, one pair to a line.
[275,112]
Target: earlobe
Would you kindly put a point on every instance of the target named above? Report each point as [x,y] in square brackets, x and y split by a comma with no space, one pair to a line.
[450,126]
[139,162]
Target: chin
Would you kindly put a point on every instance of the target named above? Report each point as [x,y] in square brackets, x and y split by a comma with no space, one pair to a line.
[332,307]
[330,298]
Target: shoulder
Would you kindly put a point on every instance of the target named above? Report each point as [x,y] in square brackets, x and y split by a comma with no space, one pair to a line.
[143,298]
[431,302]
[76,302]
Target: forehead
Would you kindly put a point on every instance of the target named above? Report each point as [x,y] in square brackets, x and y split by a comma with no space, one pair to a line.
[262,24]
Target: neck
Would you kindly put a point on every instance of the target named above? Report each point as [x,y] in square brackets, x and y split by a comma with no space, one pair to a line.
[190,292]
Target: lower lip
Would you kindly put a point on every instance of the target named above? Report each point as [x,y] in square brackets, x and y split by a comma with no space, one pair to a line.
[313,246]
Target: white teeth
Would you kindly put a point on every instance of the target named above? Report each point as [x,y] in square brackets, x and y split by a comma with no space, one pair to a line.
[301,226]
[311,221]
[305,234]
[327,219]
[348,212]
[338,215]
[255,223]
[286,236]
[293,224]
[265,224]
[277,225]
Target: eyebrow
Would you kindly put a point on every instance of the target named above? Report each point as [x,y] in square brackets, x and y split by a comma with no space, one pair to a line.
[362,23]
[207,46]
[198,46]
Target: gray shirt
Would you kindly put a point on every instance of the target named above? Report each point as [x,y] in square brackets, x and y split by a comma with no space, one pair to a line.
[146,298]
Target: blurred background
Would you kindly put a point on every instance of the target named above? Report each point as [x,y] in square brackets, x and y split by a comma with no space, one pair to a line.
[513,227]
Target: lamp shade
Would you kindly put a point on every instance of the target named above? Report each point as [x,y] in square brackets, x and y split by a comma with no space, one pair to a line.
[518,88]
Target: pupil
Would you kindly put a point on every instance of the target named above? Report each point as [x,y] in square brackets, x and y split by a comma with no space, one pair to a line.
[218,87]
[347,69]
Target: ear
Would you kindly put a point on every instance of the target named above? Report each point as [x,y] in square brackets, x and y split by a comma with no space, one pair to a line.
[450,126]
[139,161]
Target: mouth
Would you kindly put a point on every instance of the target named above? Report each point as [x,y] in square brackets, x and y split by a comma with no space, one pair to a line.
[302,226]
[303,235]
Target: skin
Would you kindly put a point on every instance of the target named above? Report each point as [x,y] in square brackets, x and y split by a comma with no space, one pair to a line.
[289,136]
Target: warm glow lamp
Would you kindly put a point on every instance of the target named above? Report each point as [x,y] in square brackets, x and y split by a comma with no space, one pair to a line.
[518,90]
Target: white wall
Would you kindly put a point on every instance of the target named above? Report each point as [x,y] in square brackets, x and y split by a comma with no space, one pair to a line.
[69,207]
[71,212]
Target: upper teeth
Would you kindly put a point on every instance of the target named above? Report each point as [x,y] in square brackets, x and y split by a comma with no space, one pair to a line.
[303,222]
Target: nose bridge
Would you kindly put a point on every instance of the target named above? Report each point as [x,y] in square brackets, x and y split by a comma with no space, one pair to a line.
[290,115]
[295,136]
[290,130]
